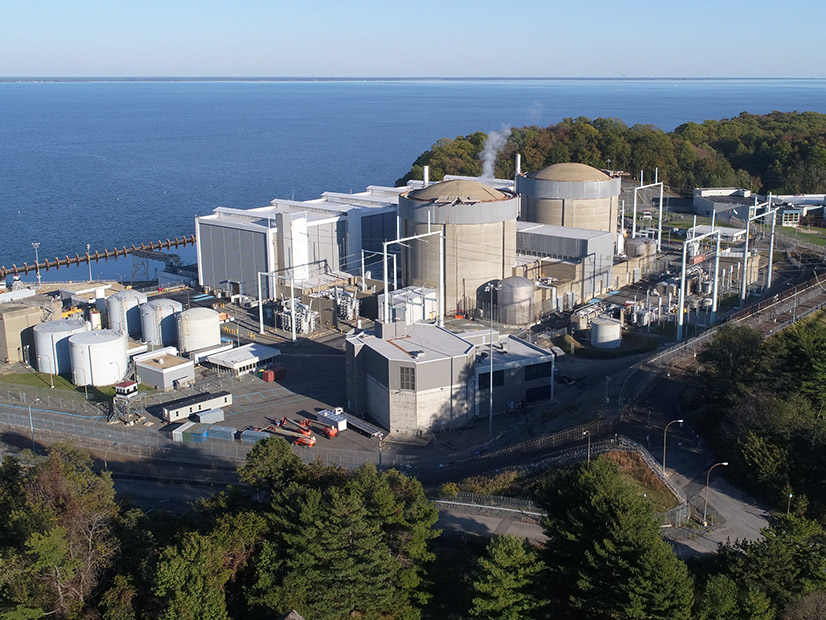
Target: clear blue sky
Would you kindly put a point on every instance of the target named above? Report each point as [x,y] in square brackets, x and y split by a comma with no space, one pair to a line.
[522,38]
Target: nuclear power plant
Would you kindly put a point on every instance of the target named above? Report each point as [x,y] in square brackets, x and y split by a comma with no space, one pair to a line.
[434,265]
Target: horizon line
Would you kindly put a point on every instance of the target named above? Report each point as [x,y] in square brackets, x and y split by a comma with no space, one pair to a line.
[241,78]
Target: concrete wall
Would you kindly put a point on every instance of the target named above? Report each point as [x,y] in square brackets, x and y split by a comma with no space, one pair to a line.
[474,255]
[16,332]
[592,214]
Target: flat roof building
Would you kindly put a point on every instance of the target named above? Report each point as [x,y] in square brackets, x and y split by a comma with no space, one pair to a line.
[421,377]
[245,359]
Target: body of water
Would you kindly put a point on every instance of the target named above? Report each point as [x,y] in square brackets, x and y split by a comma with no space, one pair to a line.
[114,163]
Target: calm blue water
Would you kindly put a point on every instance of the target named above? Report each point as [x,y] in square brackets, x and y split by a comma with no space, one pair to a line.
[118,163]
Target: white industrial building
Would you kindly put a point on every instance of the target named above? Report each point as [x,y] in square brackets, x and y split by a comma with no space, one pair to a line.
[245,359]
[290,236]
[163,369]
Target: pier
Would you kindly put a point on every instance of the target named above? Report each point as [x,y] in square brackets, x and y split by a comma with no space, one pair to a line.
[88,257]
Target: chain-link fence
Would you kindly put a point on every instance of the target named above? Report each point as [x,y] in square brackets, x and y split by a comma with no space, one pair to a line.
[45,428]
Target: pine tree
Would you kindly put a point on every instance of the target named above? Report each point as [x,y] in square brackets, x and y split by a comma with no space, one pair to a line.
[506,581]
[604,552]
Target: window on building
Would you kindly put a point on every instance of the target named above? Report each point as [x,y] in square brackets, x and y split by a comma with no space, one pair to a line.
[498,379]
[407,378]
[537,371]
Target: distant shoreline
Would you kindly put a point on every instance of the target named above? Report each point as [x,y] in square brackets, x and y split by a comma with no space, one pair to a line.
[46,79]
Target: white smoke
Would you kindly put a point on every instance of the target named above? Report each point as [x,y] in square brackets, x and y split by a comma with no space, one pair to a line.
[496,142]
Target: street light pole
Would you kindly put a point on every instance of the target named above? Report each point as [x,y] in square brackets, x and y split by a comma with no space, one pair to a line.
[105,453]
[708,477]
[35,245]
[664,432]
[789,505]
[589,445]
[489,288]
[31,422]
[89,261]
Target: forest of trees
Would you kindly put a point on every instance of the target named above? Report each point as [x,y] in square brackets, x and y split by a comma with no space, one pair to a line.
[335,544]
[761,405]
[783,152]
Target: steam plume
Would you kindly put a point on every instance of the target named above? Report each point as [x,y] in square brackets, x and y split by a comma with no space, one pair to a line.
[496,142]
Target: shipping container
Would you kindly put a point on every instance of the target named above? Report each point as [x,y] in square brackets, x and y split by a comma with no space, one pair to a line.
[222,432]
[197,433]
[210,417]
[178,432]
[253,436]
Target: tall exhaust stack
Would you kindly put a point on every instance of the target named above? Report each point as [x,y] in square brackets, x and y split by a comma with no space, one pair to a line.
[518,165]
[426,175]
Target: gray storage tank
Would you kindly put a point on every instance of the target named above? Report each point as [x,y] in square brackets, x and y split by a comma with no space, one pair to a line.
[515,301]
[124,313]
[159,326]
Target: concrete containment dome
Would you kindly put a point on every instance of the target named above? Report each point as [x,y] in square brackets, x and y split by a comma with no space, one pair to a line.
[516,301]
[198,328]
[606,333]
[98,357]
[570,172]
[479,226]
[570,194]
[465,190]
[158,323]
[123,312]
[51,343]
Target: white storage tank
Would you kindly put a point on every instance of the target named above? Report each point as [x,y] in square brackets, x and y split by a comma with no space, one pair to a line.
[515,301]
[98,357]
[159,327]
[198,328]
[51,343]
[94,319]
[124,312]
[606,333]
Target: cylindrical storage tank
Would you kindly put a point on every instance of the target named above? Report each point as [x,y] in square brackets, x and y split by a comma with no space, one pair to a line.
[159,326]
[516,301]
[51,343]
[606,333]
[569,194]
[94,319]
[479,227]
[637,247]
[124,312]
[98,357]
[198,328]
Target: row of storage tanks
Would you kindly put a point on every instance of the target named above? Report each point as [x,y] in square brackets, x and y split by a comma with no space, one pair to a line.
[99,357]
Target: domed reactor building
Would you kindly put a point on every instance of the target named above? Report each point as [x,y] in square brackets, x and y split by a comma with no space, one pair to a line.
[570,195]
[479,224]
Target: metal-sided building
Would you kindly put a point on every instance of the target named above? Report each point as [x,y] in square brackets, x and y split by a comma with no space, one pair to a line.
[521,371]
[245,359]
[233,245]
